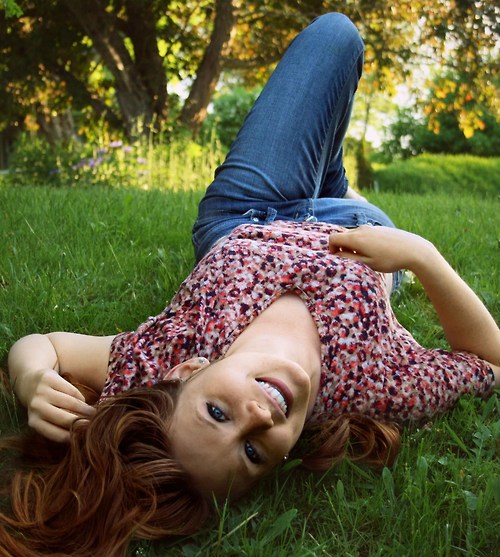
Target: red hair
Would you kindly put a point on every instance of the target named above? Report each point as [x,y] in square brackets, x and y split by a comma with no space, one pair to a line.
[353,436]
[115,480]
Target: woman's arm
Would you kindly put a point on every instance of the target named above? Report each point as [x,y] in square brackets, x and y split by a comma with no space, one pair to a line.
[466,322]
[35,362]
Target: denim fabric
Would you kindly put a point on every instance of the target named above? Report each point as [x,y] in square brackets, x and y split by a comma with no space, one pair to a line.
[286,162]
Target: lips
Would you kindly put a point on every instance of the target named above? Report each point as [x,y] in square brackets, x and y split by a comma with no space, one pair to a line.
[279,392]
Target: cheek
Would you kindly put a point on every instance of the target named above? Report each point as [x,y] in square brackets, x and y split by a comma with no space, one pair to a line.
[283,441]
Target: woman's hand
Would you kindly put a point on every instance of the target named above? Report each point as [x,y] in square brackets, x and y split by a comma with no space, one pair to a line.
[382,248]
[37,364]
[53,404]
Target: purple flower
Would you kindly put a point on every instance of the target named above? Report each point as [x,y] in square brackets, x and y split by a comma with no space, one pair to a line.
[94,162]
[127,149]
[91,163]
[141,160]
[116,144]
[80,164]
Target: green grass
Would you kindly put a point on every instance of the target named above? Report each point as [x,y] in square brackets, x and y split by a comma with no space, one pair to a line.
[100,260]
[451,174]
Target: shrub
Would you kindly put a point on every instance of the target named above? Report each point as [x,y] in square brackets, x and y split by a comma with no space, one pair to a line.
[228,113]
[35,161]
[453,122]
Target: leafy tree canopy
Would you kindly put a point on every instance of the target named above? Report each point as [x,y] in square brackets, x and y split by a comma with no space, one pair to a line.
[67,64]
[447,129]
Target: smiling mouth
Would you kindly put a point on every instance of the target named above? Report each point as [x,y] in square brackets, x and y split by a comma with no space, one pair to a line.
[276,394]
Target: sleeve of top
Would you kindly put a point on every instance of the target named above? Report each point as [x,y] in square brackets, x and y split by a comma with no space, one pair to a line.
[424,383]
[124,368]
[439,380]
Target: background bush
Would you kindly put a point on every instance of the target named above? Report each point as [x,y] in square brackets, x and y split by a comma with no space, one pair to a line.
[181,163]
[228,111]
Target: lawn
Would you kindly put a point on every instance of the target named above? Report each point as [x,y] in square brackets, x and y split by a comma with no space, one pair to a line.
[100,260]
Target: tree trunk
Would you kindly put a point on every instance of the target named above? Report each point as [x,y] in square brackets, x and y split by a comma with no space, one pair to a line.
[194,110]
[102,27]
[58,127]
[140,27]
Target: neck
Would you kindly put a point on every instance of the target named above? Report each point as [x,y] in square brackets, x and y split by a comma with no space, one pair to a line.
[285,329]
[285,345]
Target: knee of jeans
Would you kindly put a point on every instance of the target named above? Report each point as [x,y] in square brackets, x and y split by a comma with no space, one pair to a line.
[336,22]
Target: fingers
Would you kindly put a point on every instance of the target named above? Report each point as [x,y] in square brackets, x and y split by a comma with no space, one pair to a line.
[375,246]
[52,421]
[58,383]
[348,242]
[55,405]
[49,430]
[47,398]
[57,392]
[383,249]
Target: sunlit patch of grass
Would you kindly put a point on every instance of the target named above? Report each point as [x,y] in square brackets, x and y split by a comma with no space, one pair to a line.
[450,174]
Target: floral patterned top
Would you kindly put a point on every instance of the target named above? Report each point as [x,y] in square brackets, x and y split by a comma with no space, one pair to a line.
[370,363]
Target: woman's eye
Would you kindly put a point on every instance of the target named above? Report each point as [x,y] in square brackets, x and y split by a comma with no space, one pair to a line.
[216,413]
[252,454]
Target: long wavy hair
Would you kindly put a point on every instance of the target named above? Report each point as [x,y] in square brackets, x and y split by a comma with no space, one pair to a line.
[116,479]
[356,437]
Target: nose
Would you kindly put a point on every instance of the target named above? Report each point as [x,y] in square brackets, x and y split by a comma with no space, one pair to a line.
[257,416]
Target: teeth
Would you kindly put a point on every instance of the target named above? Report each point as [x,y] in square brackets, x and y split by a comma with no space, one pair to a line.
[276,394]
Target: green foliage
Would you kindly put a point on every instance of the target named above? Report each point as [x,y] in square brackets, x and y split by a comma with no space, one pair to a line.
[34,160]
[410,135]
[112,62]
[228,112]
[111,163]
[11,8]
[449,174]
[454,122]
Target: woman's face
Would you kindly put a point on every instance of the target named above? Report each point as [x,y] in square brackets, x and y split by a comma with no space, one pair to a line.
[236,420]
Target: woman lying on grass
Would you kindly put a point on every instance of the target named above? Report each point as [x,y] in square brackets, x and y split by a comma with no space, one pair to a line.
[283,331]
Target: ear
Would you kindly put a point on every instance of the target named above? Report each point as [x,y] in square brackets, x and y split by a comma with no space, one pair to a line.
[188,368]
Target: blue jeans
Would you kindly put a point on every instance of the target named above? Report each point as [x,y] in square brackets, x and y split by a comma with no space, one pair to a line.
[286,162]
